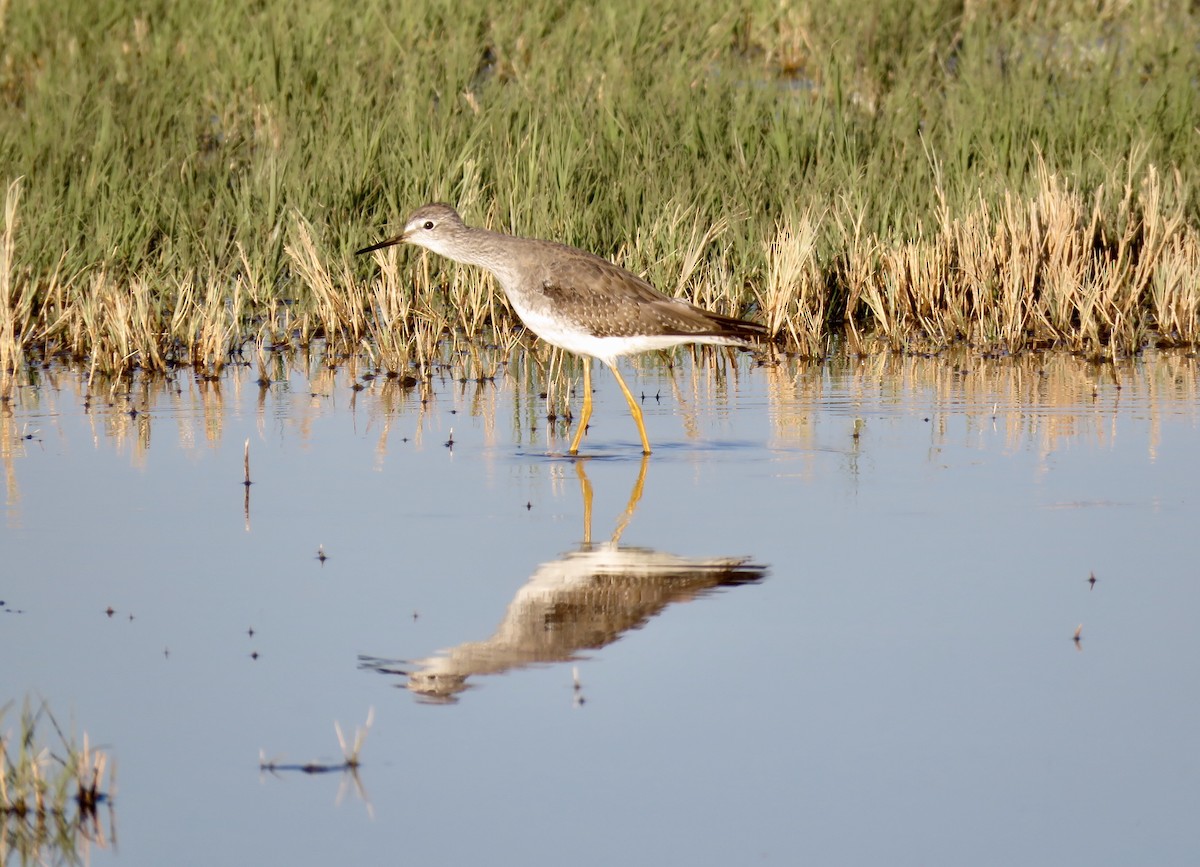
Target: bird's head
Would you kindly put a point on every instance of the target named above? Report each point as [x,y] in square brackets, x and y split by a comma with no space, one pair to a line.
[433,227]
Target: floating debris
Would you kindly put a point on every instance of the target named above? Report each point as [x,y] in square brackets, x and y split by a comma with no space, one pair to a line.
[350,753]
[577,687]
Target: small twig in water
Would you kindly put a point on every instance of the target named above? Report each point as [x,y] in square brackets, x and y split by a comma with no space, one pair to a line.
[349,753]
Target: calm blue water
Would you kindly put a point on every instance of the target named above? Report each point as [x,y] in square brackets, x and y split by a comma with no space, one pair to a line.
[792,644]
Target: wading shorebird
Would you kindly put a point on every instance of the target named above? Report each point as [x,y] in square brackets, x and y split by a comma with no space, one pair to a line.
[575,300]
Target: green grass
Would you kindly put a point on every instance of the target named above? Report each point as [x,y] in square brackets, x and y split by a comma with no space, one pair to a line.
[194,177]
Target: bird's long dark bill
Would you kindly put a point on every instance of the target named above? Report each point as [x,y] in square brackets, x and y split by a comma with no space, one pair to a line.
[390,242]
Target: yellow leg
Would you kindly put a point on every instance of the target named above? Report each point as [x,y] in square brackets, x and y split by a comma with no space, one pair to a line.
[633,408]
[585,488]
[585,414]
[634,498]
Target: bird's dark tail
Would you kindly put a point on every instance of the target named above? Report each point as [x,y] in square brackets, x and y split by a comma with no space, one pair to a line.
[742,329]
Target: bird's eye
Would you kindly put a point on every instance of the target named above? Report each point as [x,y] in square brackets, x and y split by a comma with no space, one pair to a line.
[428,225]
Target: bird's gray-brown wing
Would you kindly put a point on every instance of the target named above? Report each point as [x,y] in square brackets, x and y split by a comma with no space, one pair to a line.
[612,302]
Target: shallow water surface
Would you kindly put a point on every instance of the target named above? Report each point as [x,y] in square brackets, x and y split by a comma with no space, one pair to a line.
[830,620]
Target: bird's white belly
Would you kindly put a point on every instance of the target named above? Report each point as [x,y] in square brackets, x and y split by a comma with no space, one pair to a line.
[571,337]
[568,336]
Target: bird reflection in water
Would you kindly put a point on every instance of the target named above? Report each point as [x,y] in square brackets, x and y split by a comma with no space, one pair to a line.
[583,601]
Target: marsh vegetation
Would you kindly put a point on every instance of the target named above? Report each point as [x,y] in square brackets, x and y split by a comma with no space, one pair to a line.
[186,182]
[51,790]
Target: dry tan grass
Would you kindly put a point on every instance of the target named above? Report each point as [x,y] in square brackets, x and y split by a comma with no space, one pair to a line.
[339,310]
[405,328]
[793,299]
[18,316]
[1052,270]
